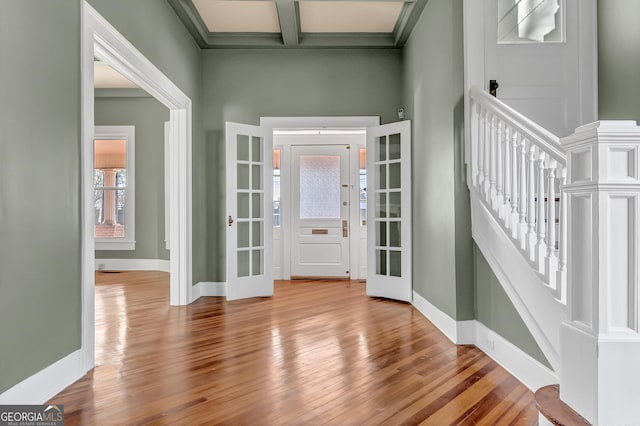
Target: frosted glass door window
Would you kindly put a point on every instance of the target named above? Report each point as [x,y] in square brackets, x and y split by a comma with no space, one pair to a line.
[319,187]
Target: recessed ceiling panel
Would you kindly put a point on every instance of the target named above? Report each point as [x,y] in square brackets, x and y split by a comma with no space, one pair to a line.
[239,16]
[349,16]
[105,77]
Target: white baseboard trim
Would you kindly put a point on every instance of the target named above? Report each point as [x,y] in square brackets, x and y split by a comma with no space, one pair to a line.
[133,265]
[442,321]
[45,384]
[529,371]
[203,289]
[522,366]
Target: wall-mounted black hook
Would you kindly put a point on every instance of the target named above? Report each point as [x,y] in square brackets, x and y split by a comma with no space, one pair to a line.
[493,88]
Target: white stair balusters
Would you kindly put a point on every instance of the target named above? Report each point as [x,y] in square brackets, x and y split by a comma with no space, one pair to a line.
[551,265]
[514,218]
[531,203]
[561,275]
[516,168]
[541,246]
[522,201]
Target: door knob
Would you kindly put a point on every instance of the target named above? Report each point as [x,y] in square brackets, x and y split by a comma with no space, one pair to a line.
[230,221]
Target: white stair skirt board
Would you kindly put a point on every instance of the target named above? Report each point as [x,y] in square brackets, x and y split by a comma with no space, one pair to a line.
[203,289]
[132,265]
[45,384]
[523,367]
[533,300]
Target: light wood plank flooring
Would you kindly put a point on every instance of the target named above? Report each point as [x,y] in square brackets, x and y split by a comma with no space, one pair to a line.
[318,352]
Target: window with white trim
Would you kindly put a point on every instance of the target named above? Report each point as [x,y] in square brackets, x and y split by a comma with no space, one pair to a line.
[114,187]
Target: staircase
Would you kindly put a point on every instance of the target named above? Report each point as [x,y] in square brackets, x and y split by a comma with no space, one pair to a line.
[514,163]
[559,223]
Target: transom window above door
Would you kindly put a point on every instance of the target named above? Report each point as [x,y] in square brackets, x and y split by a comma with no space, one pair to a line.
[299,23]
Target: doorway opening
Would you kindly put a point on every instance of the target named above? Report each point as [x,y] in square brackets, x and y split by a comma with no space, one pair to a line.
[319,187]
[102,41]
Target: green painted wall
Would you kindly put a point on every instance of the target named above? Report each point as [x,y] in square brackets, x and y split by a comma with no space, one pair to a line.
[495,310]
[39,186]
[618,59]
[448,271]
[154,29]
[148,116]
[433,96]
[244,85]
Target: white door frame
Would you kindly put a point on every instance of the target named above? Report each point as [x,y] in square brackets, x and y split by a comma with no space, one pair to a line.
[290,123]
[102,40]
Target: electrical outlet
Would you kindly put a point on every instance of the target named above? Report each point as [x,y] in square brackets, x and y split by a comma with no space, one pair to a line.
[491,344]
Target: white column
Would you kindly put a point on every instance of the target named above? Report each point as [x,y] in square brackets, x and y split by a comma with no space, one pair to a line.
[600,343]
[110,196]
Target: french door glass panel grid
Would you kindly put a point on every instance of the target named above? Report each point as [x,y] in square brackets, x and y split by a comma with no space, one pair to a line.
[388,212]
[250,205]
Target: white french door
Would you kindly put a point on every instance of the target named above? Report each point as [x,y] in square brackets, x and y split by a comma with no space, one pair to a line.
[389,211]
[320,201]
[249,219]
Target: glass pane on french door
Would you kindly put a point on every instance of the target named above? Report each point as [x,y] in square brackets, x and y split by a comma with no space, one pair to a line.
[250,201]
[388,209]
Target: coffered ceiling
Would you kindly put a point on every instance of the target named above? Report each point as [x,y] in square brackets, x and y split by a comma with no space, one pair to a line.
[218,24]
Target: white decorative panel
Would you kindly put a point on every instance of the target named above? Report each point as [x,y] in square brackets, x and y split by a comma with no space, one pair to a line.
[581,168]
[319,187]
[581,258]
[622,163]
[315,254]
[620,273]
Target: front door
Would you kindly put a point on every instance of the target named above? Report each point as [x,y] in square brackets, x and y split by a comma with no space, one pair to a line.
[320,211]
[249,220]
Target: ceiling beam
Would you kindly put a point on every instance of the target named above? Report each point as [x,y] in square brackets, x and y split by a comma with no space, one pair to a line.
[292,37]
[289,17]
[306,41]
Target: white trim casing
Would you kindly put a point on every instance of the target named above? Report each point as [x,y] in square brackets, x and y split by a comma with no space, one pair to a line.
[319,122]
[522,366]
[132,265]
[42,386]
[167,183]
[100,39]
[205,289]
[299,123]
[127,133]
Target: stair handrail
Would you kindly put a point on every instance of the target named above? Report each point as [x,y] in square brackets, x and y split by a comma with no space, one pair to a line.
[542,137]
[513,163]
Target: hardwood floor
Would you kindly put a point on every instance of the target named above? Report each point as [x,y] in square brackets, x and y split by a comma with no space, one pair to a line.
[316,353]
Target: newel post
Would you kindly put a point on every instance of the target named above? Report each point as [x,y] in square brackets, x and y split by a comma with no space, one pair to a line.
[600,343]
